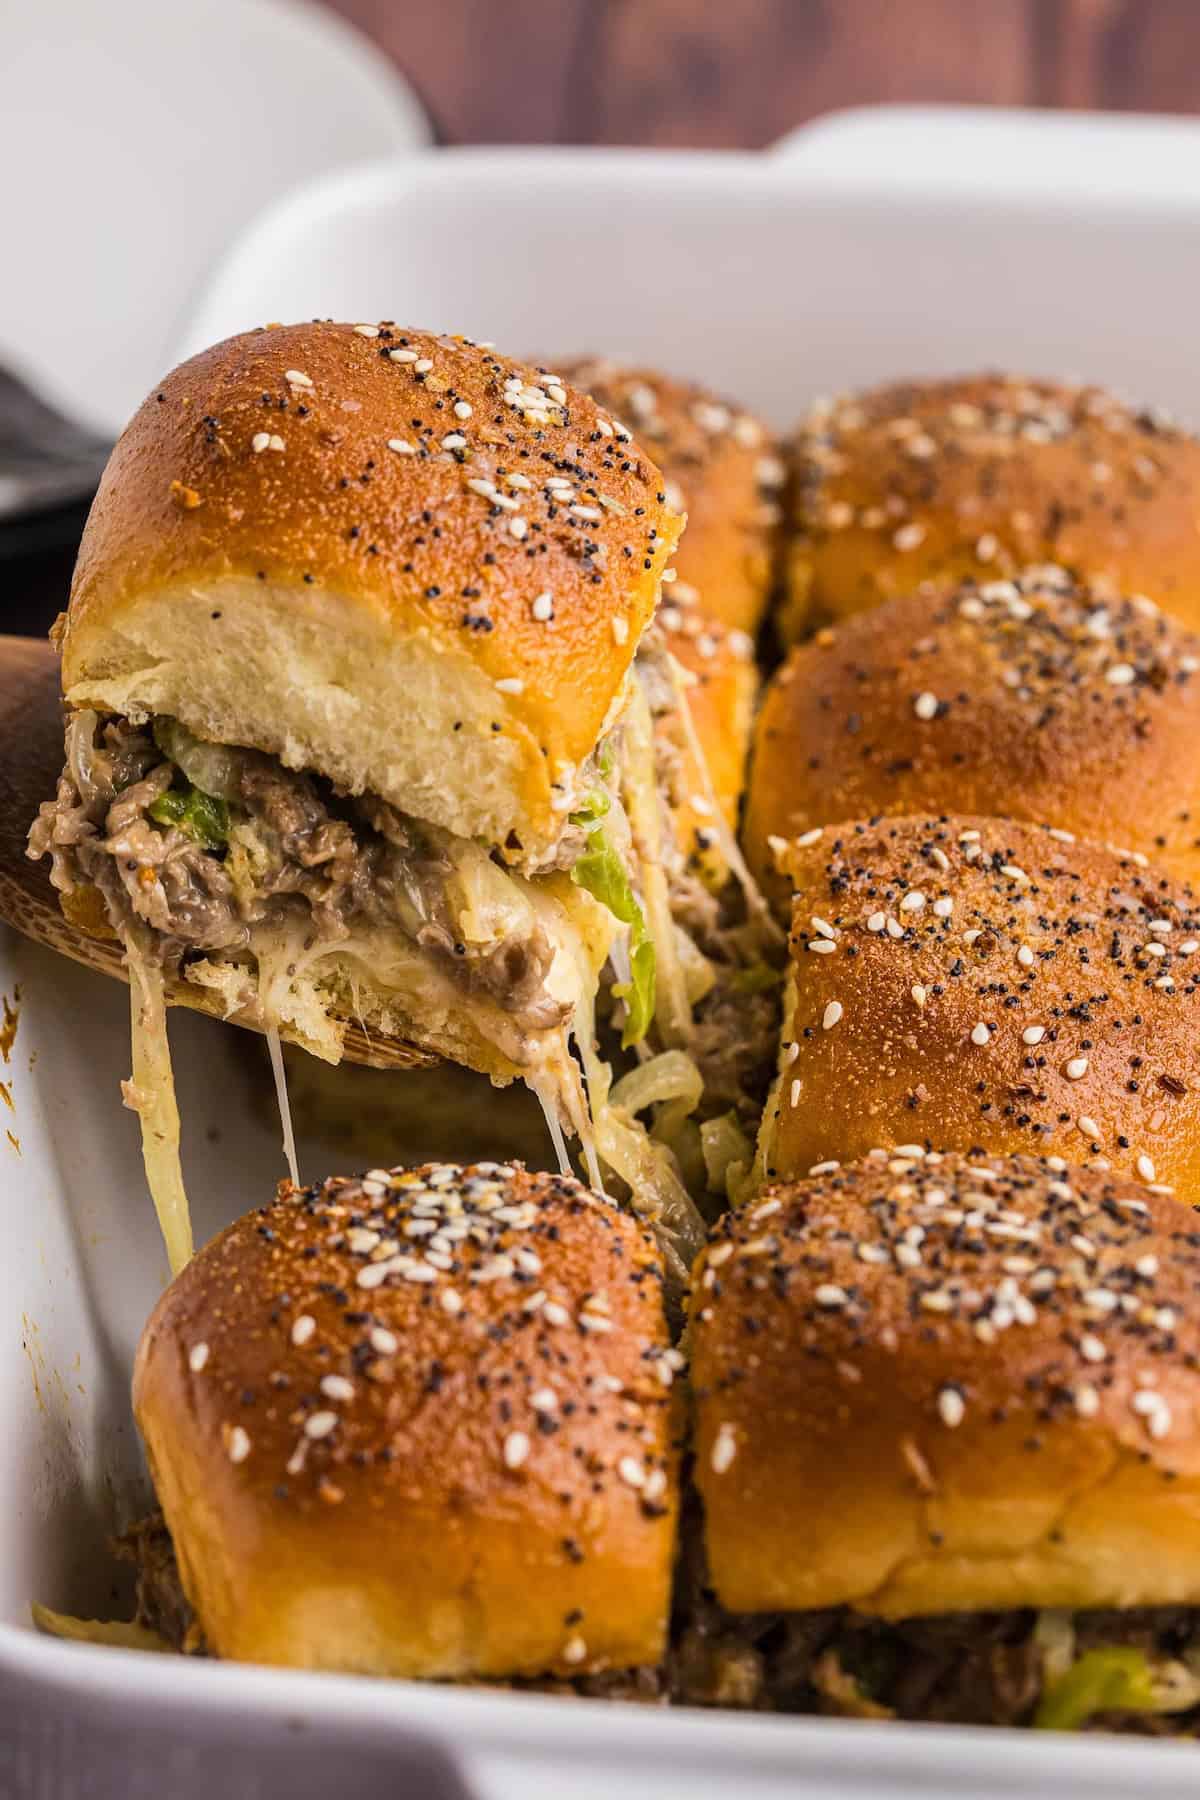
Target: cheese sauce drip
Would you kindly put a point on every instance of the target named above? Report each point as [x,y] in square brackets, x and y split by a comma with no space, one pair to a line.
[281,1094]
[151,1094]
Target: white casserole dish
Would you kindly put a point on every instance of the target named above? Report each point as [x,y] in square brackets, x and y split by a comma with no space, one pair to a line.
[771,279]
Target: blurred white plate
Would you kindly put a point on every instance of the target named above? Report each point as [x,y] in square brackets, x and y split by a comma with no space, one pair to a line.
[1103,156]
[136,139]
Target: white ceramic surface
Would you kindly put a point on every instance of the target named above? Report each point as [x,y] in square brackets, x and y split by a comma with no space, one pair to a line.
[758,274]
[769,280]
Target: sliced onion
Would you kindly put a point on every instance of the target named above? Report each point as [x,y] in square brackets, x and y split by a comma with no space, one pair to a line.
[81,753]
[214,768]
[656,1192]
[699,976]
[725,1147]
[1054,1640]
[670,1076]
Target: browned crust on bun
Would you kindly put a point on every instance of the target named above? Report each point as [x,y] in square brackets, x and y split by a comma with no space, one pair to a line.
[720,681]
[420,1423]
[722,468]
[980,475]
[989,985]
[944,1384]
[1033,699]
[384,500]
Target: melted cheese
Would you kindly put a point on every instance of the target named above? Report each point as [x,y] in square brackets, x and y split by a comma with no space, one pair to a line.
[151,1094]
[281,1095]
[623,1143]
[292,982]
[548,1098]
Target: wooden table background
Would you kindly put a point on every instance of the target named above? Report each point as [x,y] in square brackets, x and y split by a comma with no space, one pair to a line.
[738,73]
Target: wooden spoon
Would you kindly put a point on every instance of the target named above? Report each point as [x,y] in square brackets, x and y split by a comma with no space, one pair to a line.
[31,759]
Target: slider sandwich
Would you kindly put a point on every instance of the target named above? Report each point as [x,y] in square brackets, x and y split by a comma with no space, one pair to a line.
[943,1444]
[947,1440]
[1039,698]
[419,1423]
[355,731]
[961,983]
[978,477]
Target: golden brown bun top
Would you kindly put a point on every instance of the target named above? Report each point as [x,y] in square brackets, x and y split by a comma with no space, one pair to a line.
[996,1279]
[981,475]
[720,680]
[722,469]
[423,480]
[990,985]
[1035,698]
[423,1286]
[982,1345]
[420,1422]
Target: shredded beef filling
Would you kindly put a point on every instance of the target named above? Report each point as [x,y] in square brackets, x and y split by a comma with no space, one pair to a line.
[968,1668]
[159,1600]
[296,848]
[960,1668]
[736,1024]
